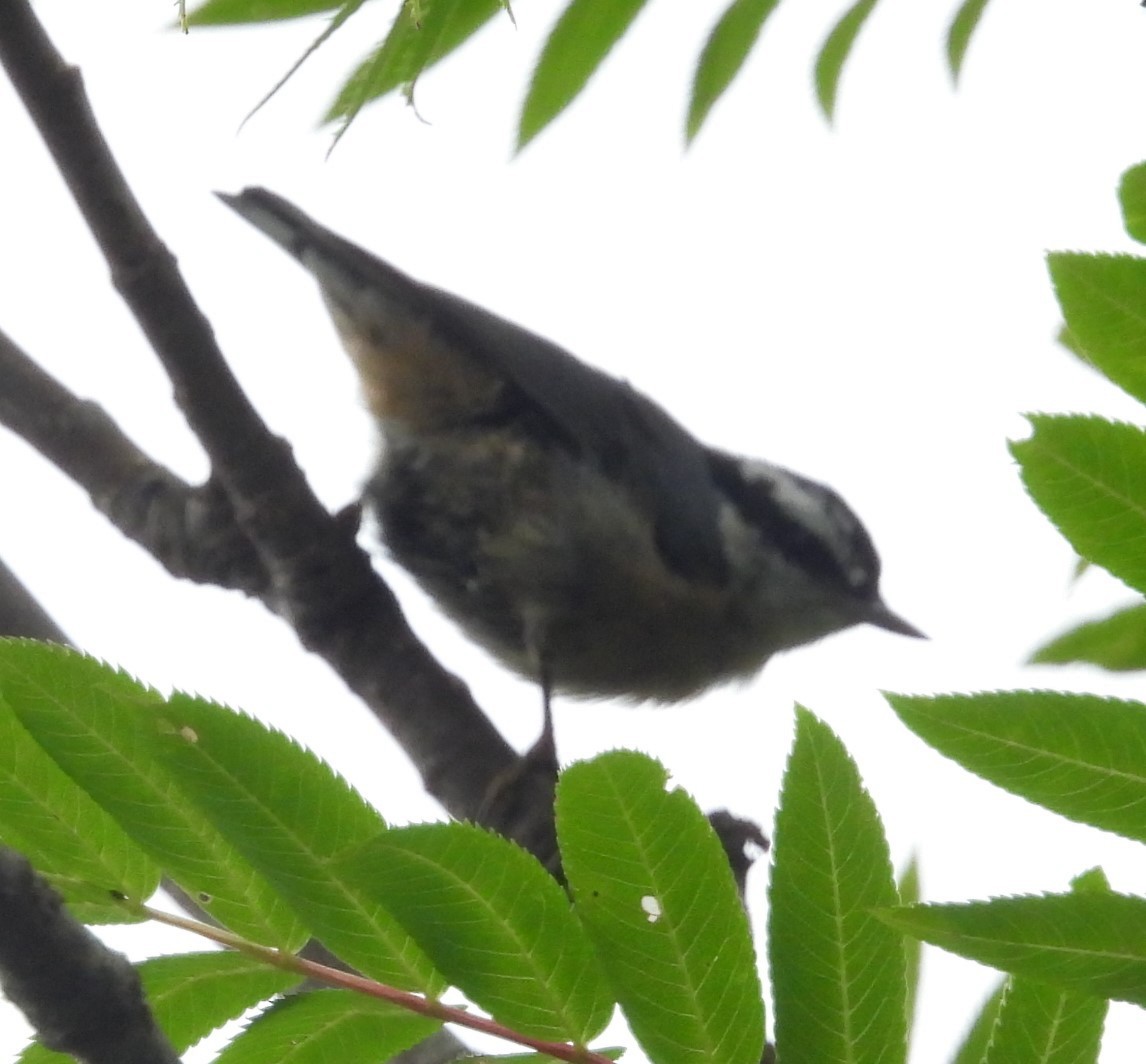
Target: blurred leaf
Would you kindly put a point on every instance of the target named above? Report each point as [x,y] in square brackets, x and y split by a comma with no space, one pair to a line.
[322,1026]
[411,47]
[533,1058]
[1090,942]
[1117,643]
[1091,879]
[1078,755]
[959,34]
[348,8]
[493,921]
[231,12]
[98,725]
[973,1048]
[1103,299]
[838,974]
[1088,475]
[652,885]
[612,1052]
[1070,342]
[912,947]
[835,52]
[1132,195]
[290,815]
[578,43]
[722,57]
[193,994]
[424,31]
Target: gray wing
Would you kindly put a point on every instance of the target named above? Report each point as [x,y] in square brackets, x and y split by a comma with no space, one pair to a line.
[625,434]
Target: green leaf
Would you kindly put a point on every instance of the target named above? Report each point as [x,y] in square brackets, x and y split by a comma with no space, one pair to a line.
[1091,942]
[1117,643]
[1132,195]
[98,725]
[652,885]
[959,34]
[333,25]
[192,994]
[1088,475]
[1078,755]
[534,1058]
[1103,298]
[838,975]
[1091,879]
[583,36]
[1046,1025]
[973,1048]
[411,47]
[494,922]
[1042,1024]
[834,54]
[71,841]
[912,948]
[328,1025]
[1070,342]
[722,57]
[290,815]
[234,12]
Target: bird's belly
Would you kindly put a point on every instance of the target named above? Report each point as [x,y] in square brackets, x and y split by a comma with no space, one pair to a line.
[534,556]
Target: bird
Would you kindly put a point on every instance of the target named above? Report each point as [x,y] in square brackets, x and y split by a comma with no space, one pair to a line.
[564,520]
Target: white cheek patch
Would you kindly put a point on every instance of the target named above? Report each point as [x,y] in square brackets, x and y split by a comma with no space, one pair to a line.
[799,501]
[818,509]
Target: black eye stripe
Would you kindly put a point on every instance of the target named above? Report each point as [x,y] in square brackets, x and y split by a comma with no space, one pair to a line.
[845,558]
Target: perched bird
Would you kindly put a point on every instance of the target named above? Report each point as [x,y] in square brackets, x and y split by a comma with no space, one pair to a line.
[564,520]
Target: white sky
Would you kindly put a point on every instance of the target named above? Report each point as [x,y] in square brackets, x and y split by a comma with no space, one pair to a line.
[867,304]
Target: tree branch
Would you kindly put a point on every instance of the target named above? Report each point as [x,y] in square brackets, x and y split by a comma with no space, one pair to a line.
[82,998]
[313,573]
[20,613]
[189,530]
[255,525]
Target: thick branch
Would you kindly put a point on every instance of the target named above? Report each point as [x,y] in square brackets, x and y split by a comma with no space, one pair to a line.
[255,525]
[191,531]
[317,577]
[20,613]
[82,998]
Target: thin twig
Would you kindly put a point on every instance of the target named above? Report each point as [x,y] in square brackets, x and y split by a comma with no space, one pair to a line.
[404,999]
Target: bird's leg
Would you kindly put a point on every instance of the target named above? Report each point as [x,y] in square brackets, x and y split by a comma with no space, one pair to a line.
[512,796]
[543,752]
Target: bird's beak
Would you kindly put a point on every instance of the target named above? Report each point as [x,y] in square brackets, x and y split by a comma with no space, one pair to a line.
[879,615]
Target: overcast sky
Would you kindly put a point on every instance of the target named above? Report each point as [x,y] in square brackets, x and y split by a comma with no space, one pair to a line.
[866,303]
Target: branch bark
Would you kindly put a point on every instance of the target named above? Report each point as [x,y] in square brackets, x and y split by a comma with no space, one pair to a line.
[83,998]
[255,525]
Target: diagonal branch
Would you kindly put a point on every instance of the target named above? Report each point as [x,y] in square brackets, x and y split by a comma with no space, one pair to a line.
[189,530]
[315,575]
[21,615]
[82,998]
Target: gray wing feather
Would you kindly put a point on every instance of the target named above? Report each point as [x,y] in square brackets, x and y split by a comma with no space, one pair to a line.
[624,433]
